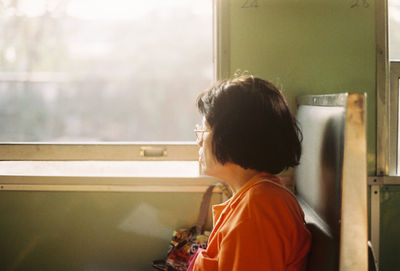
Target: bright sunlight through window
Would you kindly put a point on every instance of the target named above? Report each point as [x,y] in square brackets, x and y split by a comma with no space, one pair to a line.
[103,70]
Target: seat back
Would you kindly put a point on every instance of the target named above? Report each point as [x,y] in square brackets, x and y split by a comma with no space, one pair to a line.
[331,180]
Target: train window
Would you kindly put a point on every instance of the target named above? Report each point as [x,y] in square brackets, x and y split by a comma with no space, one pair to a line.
[394,29]
[103,70]
[394,64]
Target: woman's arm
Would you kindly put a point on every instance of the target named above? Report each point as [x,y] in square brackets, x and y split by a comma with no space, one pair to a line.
[249,247]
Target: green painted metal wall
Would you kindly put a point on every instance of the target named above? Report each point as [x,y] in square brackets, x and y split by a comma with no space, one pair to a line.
[390,228]
[91,230]
[308,47]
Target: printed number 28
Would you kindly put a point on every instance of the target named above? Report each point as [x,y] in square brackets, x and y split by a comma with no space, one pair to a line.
[250,4]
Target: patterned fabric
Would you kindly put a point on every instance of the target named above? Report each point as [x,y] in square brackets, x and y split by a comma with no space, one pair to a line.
[185,243]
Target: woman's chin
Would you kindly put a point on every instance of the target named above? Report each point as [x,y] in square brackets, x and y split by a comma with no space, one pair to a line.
[205,170]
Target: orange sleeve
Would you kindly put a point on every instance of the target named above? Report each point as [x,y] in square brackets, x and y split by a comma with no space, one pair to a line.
[247,248]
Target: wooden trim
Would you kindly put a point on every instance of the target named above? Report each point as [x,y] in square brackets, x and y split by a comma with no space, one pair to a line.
[354,219]
[375,220]
[222,39]
[105,184]
[97,152]
[394,118]
[382,88]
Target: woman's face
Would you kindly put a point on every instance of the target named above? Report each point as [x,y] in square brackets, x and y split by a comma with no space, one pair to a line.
[209,165]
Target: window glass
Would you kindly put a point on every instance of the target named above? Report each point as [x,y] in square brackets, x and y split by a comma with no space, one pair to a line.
[394,57]
[103,70]
[394,29]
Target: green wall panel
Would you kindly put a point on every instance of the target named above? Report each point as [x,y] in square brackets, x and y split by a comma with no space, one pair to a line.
[91,230]
[390,228]
[308,47]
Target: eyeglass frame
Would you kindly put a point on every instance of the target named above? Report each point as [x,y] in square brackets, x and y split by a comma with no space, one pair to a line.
[199,133]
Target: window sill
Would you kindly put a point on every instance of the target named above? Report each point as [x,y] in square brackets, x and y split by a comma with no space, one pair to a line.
[168,169]
[115,176]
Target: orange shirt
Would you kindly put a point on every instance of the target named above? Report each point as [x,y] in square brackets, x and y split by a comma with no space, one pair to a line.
[260,228]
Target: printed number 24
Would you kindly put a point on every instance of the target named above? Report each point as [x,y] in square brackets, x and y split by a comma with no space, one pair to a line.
[250,4]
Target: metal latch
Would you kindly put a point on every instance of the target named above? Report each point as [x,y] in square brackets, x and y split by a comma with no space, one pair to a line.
[153,151]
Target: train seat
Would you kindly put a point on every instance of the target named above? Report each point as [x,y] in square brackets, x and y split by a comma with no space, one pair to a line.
[331,180]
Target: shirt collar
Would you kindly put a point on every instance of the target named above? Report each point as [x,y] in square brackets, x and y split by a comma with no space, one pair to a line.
[253,181]
[219,208]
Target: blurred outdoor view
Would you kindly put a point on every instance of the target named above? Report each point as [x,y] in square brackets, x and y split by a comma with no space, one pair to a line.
[103,70]
[394,29]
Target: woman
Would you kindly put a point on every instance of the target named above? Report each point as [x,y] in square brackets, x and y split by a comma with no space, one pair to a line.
[248,134]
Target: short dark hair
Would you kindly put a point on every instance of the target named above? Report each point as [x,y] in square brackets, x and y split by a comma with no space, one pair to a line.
[252,125]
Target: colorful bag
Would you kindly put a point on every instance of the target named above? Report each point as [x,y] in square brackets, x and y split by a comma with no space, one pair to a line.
[185,242]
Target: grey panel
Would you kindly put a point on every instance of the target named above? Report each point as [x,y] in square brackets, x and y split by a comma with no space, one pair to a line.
[319,173]
[318,180]
[324,252]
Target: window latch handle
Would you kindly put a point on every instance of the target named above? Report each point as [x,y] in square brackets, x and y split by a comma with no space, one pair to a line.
[153,151]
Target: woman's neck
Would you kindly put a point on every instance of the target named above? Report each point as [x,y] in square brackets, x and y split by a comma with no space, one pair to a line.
[236,176]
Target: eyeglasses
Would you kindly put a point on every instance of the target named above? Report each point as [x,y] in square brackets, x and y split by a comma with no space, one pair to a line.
[199,132]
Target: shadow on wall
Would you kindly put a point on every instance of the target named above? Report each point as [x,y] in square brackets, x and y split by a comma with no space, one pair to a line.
[90,230]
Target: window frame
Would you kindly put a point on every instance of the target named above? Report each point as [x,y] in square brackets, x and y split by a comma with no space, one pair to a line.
[99,151]
[394,168]
[388,75]
[387,123]
[382,87]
